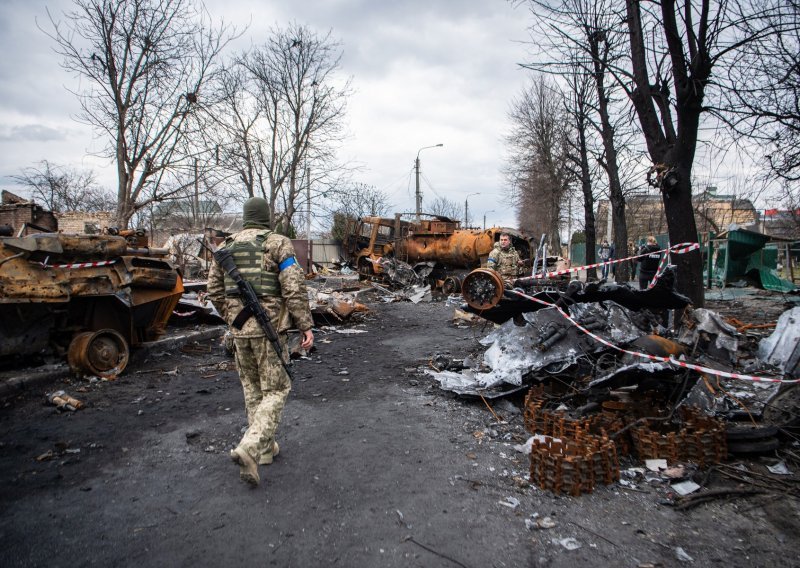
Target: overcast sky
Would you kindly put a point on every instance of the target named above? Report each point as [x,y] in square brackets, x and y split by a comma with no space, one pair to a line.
[424,72]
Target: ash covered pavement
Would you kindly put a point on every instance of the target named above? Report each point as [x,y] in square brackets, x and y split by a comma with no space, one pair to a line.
[378,467]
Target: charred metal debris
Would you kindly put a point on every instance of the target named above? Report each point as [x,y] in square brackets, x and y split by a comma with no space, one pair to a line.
[611,371]
[89,297]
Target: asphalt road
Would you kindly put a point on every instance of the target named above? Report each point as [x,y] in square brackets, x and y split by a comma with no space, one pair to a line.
[378,467]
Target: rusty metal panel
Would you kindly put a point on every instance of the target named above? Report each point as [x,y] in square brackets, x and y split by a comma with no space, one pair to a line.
[150,272]
[301,252]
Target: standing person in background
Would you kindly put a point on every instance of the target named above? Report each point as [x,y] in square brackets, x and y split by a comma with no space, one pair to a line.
[604,254]
[266,260]
[648,265]
[505,260]
[632,252]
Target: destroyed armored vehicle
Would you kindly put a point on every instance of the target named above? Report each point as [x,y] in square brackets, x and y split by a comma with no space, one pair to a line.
[439,242]
[91,297]
[486,295]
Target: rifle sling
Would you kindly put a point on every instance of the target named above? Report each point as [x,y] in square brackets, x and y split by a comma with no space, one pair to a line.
[242,317]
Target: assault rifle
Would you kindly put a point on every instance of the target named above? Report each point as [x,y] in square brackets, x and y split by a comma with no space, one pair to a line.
[252,307]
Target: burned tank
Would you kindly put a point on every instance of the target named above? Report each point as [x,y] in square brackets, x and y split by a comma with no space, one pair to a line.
[438,240]
[91,297]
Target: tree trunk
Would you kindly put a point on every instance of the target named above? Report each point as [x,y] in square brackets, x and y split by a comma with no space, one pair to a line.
[671,153]
[616,197]
[682,229]
[588,203]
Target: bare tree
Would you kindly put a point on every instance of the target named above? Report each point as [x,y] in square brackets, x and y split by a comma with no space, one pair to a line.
[788,222]
[204,209]
[668,92]
[143,65]
[762,93]
[446,208]
[538,166]
[61,188]
[673,46]
[578,105]
[583,37]
[281,112]
[356,201]
[235,132]
[360,200]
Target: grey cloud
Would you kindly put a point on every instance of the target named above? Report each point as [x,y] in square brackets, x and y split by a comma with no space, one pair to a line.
[31,132]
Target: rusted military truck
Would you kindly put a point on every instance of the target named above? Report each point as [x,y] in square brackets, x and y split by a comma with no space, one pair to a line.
[90,297]
[438,239]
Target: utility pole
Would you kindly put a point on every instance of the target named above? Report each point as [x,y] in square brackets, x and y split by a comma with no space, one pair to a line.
[417,193]
[416,170]
[484,218]
[466,209]
[196,196]
[569,227]
[308,220]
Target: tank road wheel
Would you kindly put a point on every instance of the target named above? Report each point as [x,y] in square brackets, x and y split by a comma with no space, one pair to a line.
[103,353]
[482,288]
[451,285]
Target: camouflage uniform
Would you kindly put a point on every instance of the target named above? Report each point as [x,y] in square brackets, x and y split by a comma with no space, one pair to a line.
[264,381]
[506,262]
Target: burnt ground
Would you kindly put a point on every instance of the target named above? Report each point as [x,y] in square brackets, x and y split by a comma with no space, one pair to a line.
[378,467]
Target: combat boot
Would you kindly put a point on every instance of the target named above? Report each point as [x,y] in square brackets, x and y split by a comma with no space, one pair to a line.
[248,468]
[267,457]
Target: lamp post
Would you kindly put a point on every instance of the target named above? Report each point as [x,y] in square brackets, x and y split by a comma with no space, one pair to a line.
[484,217]
[416,169]
[466,208]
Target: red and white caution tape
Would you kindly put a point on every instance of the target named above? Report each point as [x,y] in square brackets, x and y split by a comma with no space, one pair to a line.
[670,360]
[662,265]
[676,249]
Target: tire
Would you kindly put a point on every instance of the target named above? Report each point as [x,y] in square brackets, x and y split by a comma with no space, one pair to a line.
[761,446]
[783,410]
[748,432]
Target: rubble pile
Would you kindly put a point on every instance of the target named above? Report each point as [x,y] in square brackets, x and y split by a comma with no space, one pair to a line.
[612,373]
[333,298]
[332,307]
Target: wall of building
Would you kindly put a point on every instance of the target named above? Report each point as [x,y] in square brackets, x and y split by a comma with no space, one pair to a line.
[81,222]
[645,216]
[17,215]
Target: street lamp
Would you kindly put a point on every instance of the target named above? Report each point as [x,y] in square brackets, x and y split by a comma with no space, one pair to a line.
[466,208]
[416,169]
[484,217]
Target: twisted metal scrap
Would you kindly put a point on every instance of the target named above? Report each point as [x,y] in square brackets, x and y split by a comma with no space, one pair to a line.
[701,440]
[574,454]
[573,466]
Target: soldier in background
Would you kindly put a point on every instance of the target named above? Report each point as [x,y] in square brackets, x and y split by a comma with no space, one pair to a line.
[505,260]
[265,259]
